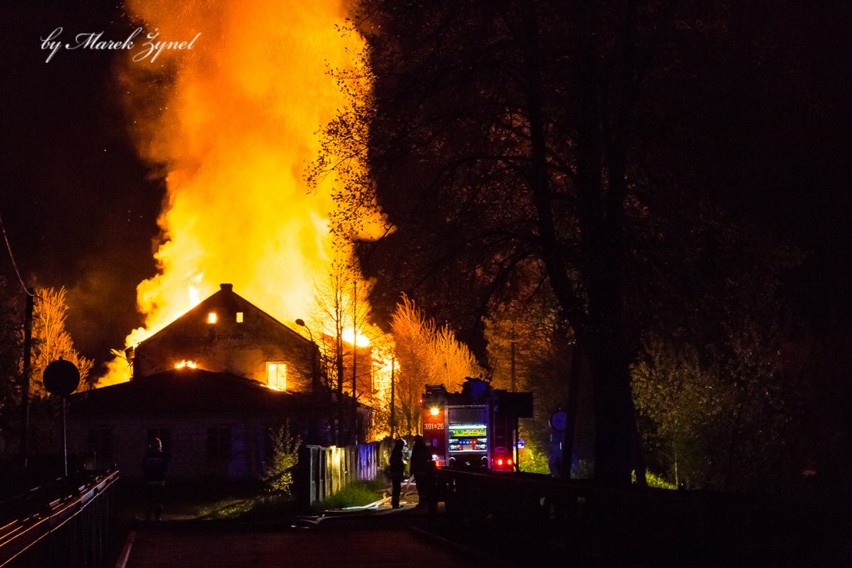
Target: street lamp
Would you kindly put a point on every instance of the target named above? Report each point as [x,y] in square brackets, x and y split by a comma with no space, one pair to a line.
[302,323]
[314,375]
[314,370]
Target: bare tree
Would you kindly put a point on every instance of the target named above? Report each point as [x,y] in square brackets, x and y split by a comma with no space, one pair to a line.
[426,354]
[51,341]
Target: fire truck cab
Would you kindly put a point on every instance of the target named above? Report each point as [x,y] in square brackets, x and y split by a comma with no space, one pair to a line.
[476,428]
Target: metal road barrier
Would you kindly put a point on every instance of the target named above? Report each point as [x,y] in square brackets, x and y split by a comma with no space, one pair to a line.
[66,523]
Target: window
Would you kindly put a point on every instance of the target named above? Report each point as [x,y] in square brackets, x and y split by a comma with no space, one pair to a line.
[212,317]
[276,375]
[239,317]
[219,444]
[100,444]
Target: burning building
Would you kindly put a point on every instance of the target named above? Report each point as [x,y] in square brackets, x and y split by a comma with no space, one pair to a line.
[226,333]
[211,385]
[232,112]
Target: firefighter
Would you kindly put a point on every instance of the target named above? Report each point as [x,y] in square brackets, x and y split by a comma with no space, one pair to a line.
[421,469]
[154,467]
[396,470]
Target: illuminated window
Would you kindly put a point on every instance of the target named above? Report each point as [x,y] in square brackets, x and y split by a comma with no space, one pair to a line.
[239,317]
[276,376]
[212,317]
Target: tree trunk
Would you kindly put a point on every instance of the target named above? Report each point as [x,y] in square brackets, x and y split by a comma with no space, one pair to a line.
[600,326]
[613,415]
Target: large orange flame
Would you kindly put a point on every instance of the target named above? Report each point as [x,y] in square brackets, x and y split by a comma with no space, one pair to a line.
[233,121]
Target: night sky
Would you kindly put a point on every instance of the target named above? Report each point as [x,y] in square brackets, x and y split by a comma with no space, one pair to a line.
[78,206]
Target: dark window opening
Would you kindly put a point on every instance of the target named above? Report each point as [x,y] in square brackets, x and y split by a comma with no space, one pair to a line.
[100,444]
[219,444]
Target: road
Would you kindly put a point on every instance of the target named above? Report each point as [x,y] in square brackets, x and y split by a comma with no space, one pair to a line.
[374,540]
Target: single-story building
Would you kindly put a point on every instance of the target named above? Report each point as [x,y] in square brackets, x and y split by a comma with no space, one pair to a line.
[212,385]
[211,424]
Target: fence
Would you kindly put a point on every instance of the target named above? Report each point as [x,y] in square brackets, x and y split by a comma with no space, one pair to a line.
[322,471]
[66,523]
[574,523]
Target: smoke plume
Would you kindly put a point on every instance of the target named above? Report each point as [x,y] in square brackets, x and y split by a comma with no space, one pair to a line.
[231,123]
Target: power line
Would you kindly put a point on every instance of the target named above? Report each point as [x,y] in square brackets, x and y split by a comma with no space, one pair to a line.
[12,256]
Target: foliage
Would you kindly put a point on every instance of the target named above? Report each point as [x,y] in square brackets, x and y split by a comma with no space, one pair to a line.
[583,469]
[561,140]
[331,294]
[534,458]
[341,307]
[11,348]
[278,476]
[343,162]
[687,406]
[51,341]
[524,330]
[655,481]
[723,422]
[508,153]
[427,354]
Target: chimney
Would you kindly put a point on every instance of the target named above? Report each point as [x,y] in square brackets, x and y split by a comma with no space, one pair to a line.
[226,287]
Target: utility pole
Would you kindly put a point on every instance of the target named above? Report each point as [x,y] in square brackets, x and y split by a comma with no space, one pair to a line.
[512,343]
[25,390]
[354,360]
[392,402]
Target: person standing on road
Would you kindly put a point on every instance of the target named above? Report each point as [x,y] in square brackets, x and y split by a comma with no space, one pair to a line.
[396,469]
[154,467]
[421,469]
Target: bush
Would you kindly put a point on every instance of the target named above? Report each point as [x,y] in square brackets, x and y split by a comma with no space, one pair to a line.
[654,480]
[285,456]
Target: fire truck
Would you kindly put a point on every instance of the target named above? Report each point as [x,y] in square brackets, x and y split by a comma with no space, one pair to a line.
[476,428]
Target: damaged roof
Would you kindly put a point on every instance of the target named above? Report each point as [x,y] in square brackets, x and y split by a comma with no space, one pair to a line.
[187,391]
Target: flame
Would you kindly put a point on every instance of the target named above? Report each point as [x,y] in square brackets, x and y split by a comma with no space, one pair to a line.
[234,121]
[360,339]
[186,365]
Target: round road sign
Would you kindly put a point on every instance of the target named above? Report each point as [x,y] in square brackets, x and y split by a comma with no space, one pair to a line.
[61,377]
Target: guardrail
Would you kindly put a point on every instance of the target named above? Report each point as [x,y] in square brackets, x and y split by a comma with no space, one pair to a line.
[66,523]
[577,523]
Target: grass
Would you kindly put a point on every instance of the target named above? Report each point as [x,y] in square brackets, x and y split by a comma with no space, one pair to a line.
[356,494]
[191,500]
[260,508]
[263,507]
[218,501]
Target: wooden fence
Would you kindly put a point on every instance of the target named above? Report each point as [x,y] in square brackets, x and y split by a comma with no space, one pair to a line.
[323,471]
